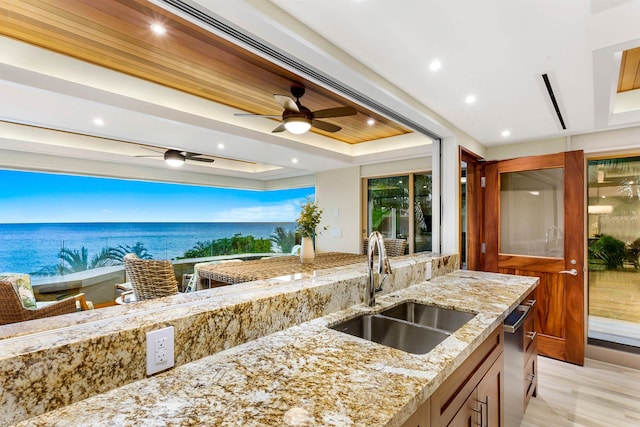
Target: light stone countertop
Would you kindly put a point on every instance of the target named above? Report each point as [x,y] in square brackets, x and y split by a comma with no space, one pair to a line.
[309,375]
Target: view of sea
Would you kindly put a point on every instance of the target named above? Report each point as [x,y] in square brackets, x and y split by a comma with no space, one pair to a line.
[27,248]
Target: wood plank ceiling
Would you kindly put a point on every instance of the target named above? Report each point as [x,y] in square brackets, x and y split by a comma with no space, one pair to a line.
[629,70]
[116,34]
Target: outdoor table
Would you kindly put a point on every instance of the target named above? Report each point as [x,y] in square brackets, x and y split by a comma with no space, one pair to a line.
[247,271]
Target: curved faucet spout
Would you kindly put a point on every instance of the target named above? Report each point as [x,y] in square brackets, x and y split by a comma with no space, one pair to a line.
[376,241]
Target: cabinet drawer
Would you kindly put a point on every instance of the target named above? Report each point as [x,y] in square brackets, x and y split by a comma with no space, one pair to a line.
[530,379]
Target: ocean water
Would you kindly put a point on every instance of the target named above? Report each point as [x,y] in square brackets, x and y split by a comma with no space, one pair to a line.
[26,248]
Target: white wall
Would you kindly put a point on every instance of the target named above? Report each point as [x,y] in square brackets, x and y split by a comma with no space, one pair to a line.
[338,195]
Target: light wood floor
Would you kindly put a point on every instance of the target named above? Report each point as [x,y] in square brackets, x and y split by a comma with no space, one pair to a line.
[596,394]
[615,295]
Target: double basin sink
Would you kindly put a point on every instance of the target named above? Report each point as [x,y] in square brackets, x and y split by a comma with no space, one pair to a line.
[411,327]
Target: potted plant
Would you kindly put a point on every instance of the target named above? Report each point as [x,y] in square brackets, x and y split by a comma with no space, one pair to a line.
[606,252]
[307,222]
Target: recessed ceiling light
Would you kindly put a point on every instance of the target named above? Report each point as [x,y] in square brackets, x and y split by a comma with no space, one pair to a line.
[470,99]
[158,29]
[371,122]
[221,146]
[98,121]
[506,133]
[435,65]
[294,160]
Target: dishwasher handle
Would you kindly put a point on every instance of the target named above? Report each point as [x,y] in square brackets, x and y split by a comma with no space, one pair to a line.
[513,321]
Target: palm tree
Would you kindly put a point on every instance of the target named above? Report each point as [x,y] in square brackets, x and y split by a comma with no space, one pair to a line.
[118,253]
[73,260]
[284,239]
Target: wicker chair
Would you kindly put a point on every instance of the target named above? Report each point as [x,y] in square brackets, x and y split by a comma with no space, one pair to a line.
[12,310]
[394,247]
[150,278]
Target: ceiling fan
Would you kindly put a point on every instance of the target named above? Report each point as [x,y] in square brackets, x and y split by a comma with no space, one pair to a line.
[297,119]
[177,158]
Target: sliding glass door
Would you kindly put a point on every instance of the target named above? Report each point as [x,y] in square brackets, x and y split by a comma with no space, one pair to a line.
[614,252]
[399,207]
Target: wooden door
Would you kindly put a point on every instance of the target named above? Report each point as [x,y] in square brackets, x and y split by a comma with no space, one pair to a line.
[534,226]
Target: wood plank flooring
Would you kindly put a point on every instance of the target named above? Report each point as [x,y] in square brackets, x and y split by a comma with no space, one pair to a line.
[596,394]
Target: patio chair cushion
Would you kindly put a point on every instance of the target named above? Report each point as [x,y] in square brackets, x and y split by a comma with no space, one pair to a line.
[22,284]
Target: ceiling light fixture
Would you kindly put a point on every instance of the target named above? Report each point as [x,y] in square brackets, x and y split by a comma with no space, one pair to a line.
[98,121]
[435,65]
[470,99]
[371,122]
[297,124]
[158,29]
[294,160]
[174,158]
[506,133]
[220,146]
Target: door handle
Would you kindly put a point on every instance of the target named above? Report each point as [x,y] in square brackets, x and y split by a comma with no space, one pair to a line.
[572,272]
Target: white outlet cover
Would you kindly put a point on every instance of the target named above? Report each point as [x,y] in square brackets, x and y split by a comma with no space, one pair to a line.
[160,350]
[428,274]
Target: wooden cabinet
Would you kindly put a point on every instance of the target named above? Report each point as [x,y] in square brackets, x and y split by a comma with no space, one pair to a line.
[420,418]
[467,415]
[490,395]
[473,394]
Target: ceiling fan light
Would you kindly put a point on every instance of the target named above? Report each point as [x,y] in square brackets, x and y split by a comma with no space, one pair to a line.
[174,158]
[297,125]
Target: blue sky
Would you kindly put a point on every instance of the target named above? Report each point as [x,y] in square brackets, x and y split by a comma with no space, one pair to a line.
[27,197]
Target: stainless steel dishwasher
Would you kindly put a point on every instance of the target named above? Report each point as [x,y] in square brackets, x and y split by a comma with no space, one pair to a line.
[514,391]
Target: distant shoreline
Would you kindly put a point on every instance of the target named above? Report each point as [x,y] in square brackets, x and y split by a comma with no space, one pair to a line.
[28,247]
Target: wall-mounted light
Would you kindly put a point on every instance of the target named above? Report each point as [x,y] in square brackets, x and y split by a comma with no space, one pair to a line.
[297,124]
[174,158]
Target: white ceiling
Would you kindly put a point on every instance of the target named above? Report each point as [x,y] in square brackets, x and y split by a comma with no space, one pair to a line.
[493,49]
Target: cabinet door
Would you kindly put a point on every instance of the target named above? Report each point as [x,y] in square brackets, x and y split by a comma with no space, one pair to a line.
[420,418]
[490,396]
[468,415]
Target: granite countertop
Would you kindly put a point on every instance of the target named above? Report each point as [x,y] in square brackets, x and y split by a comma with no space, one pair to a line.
[310,375]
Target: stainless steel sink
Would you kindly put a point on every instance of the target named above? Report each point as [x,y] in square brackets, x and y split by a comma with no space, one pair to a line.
[430,316]
[395,333]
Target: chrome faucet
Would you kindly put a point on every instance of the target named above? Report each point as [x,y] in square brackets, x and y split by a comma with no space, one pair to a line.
[375,240]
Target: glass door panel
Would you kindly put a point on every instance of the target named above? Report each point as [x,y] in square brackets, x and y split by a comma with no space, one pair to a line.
[613,252]
[532,213]
[388,206]
[422,208]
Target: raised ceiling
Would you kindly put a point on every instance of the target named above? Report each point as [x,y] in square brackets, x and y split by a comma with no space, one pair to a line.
[117,34]
[496,50]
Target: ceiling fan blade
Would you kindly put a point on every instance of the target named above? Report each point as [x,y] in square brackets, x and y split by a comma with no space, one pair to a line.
[271,116]
[288,103]
[196,157]
[201,159]
[327,127]
[334,112]
[280,128]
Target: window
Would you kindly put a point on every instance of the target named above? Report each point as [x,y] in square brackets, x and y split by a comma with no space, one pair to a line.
[55,224]
[399,207]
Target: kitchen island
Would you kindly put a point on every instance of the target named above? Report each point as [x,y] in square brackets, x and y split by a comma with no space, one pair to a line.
[309,374]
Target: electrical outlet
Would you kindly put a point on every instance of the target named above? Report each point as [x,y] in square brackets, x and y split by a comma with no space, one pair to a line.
[160,350]
[428,273]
